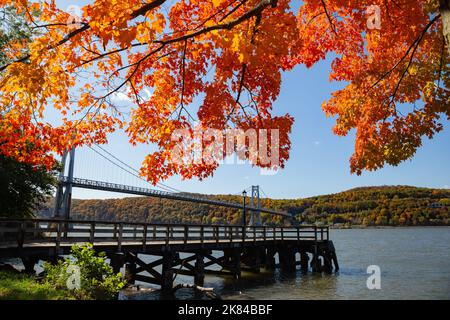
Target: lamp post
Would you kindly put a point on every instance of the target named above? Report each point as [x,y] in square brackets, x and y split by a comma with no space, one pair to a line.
[244,218]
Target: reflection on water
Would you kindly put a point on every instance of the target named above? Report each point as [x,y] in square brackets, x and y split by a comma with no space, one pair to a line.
[414,262]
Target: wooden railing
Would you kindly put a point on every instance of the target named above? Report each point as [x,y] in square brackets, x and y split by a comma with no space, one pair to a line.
[18,232]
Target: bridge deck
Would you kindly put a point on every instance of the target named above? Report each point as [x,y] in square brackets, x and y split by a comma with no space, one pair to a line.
[114,187]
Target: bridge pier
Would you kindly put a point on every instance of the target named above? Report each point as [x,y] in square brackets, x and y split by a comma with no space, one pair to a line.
[167,274]
[130,272]
[116,261]
[269,261]
[287,259]
[316,264]
[232,261]
[252,259]
[29,263]
[304,260]
[199,269]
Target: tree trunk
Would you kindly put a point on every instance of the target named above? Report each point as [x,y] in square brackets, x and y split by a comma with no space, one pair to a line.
[445,15]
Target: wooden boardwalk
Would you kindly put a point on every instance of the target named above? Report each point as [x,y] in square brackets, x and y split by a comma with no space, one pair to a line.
[236,248]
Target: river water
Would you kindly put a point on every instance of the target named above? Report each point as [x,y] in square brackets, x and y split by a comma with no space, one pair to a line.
[414,264]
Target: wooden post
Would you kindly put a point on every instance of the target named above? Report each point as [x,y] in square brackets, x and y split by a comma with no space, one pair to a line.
[36,228]
[327,262]
[217,233]
[117,261]
[92,233]
[199,274]
[332,252]
[236,261]
[287,259]
[29,263]
[186,234]
[304,261]
[202,234]
[167,235]
[144,238]
[265,236]
[119,240]
[58,239]
[167,273]
[130,272]
[21,235]
[315,263]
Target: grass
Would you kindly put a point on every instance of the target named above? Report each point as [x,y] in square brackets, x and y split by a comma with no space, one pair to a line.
[15,286]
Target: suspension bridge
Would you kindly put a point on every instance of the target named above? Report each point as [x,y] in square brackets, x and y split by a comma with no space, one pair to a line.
[70,181]
[187,249]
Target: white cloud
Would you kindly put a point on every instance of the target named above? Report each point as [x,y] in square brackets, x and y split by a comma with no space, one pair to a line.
[120,97]
[147,95]
[268,172]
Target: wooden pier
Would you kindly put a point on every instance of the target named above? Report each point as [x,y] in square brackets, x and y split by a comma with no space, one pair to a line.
[236,248]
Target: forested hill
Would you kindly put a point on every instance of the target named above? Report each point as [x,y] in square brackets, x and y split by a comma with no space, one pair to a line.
[385,205]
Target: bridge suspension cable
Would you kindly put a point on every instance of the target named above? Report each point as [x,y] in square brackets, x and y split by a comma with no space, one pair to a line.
[167,192]
[159,184]
[119,166]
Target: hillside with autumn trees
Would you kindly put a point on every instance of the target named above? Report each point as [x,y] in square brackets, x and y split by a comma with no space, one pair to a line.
[370,206]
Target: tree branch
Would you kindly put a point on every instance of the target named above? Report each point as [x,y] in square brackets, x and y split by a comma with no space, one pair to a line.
[141,11]
[333,27]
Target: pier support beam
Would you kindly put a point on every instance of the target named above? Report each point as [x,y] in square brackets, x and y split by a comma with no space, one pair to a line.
[333,257]
[199,269]
[117,260]
[304,261]
[130,272]
[232,261]
[253,259]
[316,264]
[287,259]
[269,261]
[327,264]
[167,273]
[29,263]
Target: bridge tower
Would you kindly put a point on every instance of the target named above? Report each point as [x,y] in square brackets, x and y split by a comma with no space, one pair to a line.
[64,192]
[255,217]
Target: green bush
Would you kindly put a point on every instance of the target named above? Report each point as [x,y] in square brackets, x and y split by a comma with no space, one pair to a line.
[97,279]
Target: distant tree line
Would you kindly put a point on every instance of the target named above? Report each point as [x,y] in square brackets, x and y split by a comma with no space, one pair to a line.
[370,206]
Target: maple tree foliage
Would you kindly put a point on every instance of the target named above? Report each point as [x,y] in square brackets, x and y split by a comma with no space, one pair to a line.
[220,62]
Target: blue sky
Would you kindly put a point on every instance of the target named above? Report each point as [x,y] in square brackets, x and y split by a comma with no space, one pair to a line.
[319,160]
